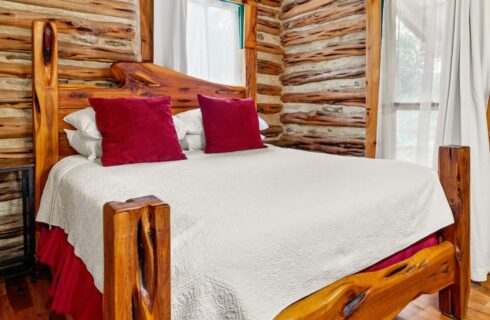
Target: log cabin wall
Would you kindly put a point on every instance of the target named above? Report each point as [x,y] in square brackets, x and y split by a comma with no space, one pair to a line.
[270,66]
[93,34]
[324,84]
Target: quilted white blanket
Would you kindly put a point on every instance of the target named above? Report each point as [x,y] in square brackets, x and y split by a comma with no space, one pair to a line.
[254,231]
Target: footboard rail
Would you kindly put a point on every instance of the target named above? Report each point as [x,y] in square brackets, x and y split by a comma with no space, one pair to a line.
[137,260]
[443,268]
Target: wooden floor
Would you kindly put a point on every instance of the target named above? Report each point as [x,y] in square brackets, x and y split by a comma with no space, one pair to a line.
[22,300]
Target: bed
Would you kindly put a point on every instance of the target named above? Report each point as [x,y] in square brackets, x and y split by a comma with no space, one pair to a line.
[239,245]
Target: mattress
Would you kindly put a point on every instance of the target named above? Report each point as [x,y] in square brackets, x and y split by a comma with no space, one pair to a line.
[254,231]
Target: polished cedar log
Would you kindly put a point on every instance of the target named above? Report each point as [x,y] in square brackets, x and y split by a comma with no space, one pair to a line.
[137,260]
[45,102]
[454,171]
[373,69]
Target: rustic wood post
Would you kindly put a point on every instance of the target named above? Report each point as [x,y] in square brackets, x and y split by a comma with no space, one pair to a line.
[373,66]
[454,172]
[44,102]
[250,48]
[137,260]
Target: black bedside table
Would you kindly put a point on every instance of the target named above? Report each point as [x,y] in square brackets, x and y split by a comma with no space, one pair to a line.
[25,263]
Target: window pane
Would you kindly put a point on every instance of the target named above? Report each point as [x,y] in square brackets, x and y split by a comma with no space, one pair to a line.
[213,41]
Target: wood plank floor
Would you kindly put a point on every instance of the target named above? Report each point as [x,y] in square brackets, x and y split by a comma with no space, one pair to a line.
[22,300]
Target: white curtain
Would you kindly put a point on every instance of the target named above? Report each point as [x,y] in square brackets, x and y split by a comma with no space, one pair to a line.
[169,34]
[462,120]
[410,76]
[213,41]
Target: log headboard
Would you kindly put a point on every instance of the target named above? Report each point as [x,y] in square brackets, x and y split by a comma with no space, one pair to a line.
[53,101]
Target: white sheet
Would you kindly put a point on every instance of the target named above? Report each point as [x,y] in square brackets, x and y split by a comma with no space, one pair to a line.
[254,231]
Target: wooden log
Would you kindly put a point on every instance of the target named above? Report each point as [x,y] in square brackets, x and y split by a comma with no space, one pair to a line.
[312,76]
[65,72]
[324,31]
[269,90]
[269,108]
[381,294]
[322,118]
[269,26]
[345,146]
[68,24]
[146,30]
[45,102]
[340,50]
[297,7]
[15,127]
[251,46]
[137,260]
[351,97]
[272,131]
[373,67]
[14,96]
[271,3]
[454,173]
[264,67]
[107,7]
[335,11]
[270,48]
[22,43]
[265,11]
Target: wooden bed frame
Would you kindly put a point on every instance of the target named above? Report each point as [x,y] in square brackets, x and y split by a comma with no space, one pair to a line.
[137,232]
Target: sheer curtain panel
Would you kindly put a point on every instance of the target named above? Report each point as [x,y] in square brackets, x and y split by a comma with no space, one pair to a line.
[465,87]
[169,35]
[213,41]
[412,46]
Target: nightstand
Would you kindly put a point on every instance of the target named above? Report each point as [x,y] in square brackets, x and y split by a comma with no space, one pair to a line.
[17,257]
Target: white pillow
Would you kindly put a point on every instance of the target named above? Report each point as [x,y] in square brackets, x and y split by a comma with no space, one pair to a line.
[193,119]
[84,121]
[262,124]
[91,148]
[193,142]
[180,127]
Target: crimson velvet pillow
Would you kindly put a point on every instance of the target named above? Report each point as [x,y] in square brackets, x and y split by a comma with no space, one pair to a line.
[230,124]
[136,130]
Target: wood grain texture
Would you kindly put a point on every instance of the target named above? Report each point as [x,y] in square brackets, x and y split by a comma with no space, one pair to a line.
[381,294]
[45,102]
[92,35]
[324,64]
[137,260]
[146,29]
[373,60]
[269,63]
[454,172]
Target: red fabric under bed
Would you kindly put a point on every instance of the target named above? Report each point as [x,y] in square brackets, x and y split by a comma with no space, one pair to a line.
[73,289]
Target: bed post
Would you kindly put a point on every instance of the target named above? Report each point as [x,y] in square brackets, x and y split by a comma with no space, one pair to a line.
[137,260]
[454,172]
[44,102]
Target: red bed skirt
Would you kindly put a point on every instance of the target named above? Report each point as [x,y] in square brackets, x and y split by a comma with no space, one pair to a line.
[73,289]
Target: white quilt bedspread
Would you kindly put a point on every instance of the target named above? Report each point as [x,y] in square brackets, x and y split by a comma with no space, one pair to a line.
[254,231]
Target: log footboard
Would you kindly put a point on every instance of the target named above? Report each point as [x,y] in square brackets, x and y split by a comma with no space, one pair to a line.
[137,260]
[137,263]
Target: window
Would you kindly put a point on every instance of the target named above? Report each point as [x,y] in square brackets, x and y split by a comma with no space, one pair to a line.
[215,41]
[410,93]
[412,44]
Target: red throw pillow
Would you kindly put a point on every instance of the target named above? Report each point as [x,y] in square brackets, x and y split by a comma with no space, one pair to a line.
[230,124]
[136,130]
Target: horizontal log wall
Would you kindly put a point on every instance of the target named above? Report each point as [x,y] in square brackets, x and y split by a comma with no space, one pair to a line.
[324,91]
[93,34]
[270,67]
